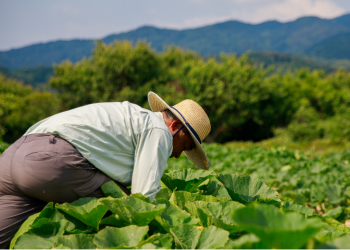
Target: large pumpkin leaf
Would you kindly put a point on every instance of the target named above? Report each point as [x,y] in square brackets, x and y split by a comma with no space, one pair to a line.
[164,241]
[132,211]
[328,234]
[334,213]
[218,214]
[171,216]
[275,229]
[246,189]
[190,237]
[76,241]
[112,189]
[214,187]
[126,237]
[185,236]
[336,224]
[247,241]
[186,179]
[339,243]
[112,220]
[164,193]
[290,206]
[26,226]
[179,198]
[333,193]
[141,197]
[51,214]
[42,237]
[88,210]
[212,237]
[317,194]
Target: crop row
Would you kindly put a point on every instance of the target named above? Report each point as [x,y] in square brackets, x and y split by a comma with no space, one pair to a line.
[194,209]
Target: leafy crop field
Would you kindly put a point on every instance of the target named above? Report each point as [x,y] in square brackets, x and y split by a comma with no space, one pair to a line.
[251,197]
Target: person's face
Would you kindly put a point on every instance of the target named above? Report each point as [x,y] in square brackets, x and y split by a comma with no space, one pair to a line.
[181,141]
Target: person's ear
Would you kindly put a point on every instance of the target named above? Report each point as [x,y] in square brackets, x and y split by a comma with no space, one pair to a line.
[173,125]
[178,124]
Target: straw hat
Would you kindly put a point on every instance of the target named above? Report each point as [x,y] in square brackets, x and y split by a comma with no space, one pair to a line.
[192,115]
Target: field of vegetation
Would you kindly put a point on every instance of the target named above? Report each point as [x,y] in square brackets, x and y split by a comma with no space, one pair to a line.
[254,196]
[289,191]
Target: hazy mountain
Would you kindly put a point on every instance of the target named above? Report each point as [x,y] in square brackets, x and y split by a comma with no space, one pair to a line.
[337,46]
[305,36]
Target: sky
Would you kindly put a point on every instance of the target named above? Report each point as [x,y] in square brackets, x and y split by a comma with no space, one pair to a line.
[24,22]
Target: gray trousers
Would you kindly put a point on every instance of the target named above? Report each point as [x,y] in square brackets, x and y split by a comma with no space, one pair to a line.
[42,168]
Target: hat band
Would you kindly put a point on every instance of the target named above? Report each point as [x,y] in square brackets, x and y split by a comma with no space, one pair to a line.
[189,126]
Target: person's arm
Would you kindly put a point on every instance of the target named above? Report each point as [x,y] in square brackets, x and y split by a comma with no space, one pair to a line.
[152,152]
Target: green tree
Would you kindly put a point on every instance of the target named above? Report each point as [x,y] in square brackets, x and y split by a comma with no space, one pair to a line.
[21,107]
[115,72]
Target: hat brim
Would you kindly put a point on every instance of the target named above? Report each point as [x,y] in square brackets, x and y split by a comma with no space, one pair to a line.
[196,155]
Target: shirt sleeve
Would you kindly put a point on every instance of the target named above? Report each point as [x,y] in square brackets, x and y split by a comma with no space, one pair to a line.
[151,155]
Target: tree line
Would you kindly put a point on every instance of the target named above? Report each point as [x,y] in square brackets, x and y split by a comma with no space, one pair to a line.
[243,100]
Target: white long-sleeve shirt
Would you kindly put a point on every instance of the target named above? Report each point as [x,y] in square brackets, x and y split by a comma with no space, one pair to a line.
[129,144]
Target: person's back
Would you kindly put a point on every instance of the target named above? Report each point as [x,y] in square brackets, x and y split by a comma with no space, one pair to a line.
[107,134]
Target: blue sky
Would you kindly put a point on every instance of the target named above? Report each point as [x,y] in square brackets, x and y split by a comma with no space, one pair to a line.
[24,22]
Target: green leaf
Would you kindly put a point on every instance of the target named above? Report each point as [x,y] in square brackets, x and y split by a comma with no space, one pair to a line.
[60,246]
[88,210]
[247,241]
[141,197]
[333,193]
[205,219]
[334,213]
[317,194]
[186,179]
[51,214]
[164,193]
[126,237]
[42,237]
[275,229]
[157,241]
[112,189]
[211,187]
[112,220]
[185,236]
[219,214]
[179,198]
[290,206]
[212,237]
[328,234]
[336,224]
[26,226]
[245,189]
[171,216]
[76,241]
[132,211]
[339,243]
[164,241]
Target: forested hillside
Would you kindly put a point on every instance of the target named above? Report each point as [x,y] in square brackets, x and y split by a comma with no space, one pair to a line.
[305,36]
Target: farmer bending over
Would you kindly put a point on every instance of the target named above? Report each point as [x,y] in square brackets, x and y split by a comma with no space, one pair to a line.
[71,154]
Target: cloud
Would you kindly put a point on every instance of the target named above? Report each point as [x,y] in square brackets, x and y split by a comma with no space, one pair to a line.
[288,10]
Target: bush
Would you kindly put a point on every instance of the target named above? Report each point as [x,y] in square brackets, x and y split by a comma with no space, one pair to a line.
[3,146]
[22,106]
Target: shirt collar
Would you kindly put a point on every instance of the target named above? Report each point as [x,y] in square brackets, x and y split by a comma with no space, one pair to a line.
[160,115]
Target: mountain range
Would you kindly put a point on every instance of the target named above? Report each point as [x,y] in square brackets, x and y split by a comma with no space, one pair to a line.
[306,36]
